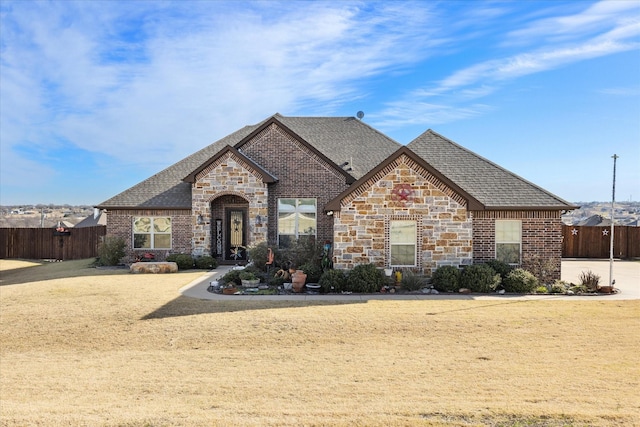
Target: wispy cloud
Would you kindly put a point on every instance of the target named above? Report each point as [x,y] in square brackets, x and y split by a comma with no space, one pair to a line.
[197,70]
[603,29]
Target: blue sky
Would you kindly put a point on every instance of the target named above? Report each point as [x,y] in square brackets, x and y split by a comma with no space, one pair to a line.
[96,96]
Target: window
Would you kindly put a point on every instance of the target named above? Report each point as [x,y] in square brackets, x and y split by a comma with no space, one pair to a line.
[152,232]
[402,243]
[296,220]
[508,241]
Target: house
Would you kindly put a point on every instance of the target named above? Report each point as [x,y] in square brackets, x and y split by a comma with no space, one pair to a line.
[423,205]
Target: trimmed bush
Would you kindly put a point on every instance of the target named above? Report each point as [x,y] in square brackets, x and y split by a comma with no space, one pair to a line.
[520,281]
[479,278]
[111,251]
[332,281]
[446,278]
[206,262]
[365,278]
[184,261]
[500,267]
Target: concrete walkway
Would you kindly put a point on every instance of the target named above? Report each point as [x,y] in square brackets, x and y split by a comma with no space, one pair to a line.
[625,273]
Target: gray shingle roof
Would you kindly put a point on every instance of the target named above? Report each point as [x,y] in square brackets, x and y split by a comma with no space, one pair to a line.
[339,139]
[166,189]
[344,139]
[487,182]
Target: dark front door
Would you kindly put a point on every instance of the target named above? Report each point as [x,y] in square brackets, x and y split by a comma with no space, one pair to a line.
[236,235]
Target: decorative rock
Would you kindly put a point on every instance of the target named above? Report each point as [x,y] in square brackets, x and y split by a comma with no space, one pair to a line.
[464,291]
[154,267]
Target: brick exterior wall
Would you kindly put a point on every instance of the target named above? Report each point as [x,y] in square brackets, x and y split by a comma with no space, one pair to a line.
[228,175]
[541,236]
[120,224]
[301,174]
[444,229]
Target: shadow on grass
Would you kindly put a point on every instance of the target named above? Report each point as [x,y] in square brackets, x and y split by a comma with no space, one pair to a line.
[187,306]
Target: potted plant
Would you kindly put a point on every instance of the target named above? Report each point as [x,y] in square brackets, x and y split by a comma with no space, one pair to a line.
[249,279]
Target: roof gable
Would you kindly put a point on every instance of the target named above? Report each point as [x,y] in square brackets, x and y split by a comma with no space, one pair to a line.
[265,175]
[273,120]
[472,203]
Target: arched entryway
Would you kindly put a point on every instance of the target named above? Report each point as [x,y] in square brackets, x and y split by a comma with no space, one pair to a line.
[230,228]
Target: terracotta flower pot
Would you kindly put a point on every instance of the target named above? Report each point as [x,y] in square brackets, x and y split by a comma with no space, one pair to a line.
[298,279]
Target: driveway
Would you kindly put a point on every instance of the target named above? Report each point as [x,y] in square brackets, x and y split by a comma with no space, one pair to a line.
[625,273]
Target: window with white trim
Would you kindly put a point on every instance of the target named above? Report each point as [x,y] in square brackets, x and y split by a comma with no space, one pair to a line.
[509,241]
[297,219]
[151,232]
[402,243]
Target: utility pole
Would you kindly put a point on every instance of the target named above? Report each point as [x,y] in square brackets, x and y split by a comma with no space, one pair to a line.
[613,201]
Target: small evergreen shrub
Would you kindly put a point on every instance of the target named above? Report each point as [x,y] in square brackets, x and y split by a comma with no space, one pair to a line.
[520,281]
[184,261]
[312,270]
[412,281]
[365,278]
[500,267]
[232,277]
[332,281]
[111,251]
[479,278]
[541,290]
[446,278]
[589,280]
[206,262]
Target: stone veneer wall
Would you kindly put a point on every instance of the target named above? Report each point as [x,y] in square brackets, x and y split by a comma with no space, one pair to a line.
[120,224]
[541,237]
[443,225]
[301,173]
[228,175]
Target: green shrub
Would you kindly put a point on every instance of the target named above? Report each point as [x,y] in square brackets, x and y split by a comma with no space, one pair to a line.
[247,275]
[412,281]
[365,278]
[206,262]
[446,278]
[500,267]
[184,261]
[589,280]
[560,287]
[520,281]
[259,254]
[232,277]
[312,270]
[332,281]
[111,250]
[479,278]
[301,251]
[541,290]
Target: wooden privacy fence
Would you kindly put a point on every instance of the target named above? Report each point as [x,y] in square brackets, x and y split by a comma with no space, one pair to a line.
[594,242]
[46,243]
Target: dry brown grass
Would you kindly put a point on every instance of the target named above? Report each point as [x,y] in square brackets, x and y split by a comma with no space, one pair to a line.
[106,348]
